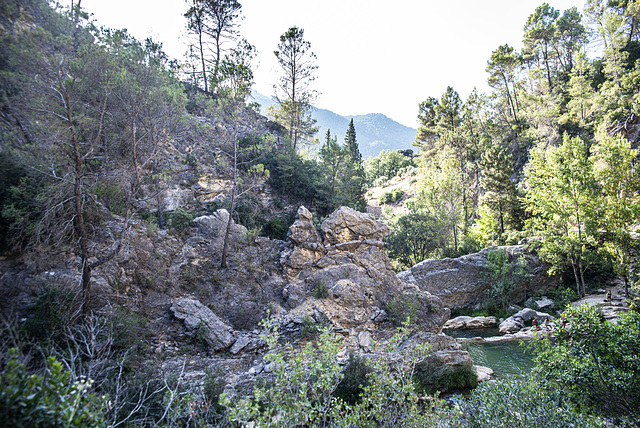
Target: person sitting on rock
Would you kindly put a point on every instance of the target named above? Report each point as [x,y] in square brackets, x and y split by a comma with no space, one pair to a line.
[534,324]
[608,299]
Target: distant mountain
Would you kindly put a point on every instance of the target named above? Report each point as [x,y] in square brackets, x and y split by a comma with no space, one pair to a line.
[374,131]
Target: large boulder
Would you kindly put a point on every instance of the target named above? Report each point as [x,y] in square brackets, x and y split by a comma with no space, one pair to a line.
[200,320]
[465,322]
[462,283]
[348,277]
[516,322]
[303,233]
[347,226]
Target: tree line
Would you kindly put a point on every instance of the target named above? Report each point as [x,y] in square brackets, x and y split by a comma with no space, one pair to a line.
[551,153]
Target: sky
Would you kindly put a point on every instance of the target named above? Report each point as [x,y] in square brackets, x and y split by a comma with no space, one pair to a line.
[373,56]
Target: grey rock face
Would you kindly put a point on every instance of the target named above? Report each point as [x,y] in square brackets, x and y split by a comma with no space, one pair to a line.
[197,316]
[517,321]
[462,283]
[351,269]
[465,322]
[347,225]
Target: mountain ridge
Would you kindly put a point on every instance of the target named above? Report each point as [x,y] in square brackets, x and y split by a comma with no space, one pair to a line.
[374,131]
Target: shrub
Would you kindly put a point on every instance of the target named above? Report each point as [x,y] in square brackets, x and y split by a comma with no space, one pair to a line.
[411,307]
[433,375]
[321,291]
[278,227]
[54,400]
[180,219]
[391,196]
[52,311]
[355,379]
[593,362]
[521,404]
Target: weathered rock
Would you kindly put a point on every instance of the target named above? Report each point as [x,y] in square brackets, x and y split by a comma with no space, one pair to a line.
[462,282]
[484,373]
[214,227]
[464,322]
[544,303]
[347,225]
[197,316]
[303,233]
[517,321]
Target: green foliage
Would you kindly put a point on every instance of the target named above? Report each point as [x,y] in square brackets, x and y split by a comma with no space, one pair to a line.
[179,219]
[303,392]
[594,363]
[504,275]
[388,164]
[391,197]
[433,375]
[54,309]
[523,404]
[412,308]
[414,238]
[321,291]
[278,227]
[54,399]
[355,379]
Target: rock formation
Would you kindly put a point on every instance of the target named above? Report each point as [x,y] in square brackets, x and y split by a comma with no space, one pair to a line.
[461,283]
[346,276]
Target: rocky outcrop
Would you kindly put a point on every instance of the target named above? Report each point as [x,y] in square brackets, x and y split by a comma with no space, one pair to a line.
[202,322]
[467,323]
[462,283]
[517,321]
[347,276]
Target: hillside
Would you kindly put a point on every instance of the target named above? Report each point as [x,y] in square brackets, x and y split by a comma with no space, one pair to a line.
[375,131]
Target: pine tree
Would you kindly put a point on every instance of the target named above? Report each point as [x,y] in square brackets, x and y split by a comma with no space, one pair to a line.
[354,187]
[332,158]
[500,191]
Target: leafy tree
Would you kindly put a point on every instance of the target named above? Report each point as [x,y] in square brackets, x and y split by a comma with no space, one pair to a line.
[502,67]
[593,362]
[539,35]
[293,93]
[616,170]
[562,194]
[415,237]
[503,275]
[388,163]
[333,160]
[500,191]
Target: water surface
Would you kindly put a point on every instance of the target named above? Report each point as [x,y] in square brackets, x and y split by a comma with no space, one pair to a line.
[507,359]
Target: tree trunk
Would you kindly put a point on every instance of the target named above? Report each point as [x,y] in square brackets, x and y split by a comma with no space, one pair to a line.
[225,247]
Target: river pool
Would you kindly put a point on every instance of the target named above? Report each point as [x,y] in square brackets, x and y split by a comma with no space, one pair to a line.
[507,359]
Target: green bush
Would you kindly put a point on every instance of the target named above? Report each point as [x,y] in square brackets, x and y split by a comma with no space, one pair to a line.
[403,307]
[355,379]
[390,197]
[179,219]
[593,362]
[55,400]
[52,311]
[433,375]
[321,291]
[522,404]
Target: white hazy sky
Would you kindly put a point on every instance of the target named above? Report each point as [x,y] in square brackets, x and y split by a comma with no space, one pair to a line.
[374,56]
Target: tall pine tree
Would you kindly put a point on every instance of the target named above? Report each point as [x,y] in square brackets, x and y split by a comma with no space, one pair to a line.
[354,187]
[500,191]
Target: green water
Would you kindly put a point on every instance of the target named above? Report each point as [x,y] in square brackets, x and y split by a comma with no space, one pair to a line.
[507,359]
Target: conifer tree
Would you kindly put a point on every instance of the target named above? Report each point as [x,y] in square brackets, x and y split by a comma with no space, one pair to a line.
[355,177]
[332,158]
[500,191]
